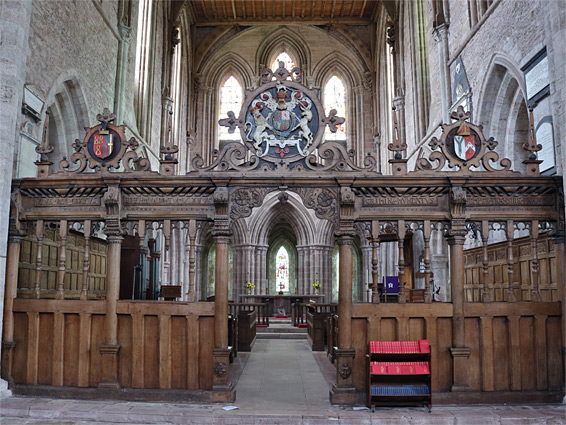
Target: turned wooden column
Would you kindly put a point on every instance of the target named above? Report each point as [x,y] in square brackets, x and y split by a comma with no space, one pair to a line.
[460,353]
[343,391]
[109,349]
[427,271]
[221,232]
[192,260]
[12,268]
[535,274]
[221,292]
[401,264]
[62,261]
[510,230]
[375,262]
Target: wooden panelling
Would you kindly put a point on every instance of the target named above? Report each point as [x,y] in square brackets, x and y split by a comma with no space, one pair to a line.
[473,337]
[554,349]
[19,362]
[45,344]
[96,338]
[178,352]
[443,361]
[359,328]
[125,364]
[151,352]
[71,350]
[501,353]
[206,345]
[527,350]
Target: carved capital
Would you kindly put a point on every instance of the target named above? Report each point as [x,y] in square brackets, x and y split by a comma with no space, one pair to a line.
[458,202]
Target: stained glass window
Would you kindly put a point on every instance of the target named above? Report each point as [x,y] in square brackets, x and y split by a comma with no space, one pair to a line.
[335,98]
[286,59]
[282,270]
[230,100]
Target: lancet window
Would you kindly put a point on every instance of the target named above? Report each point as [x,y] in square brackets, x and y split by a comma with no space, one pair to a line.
[231,96]
[286,59]
[335,98]
[282,270]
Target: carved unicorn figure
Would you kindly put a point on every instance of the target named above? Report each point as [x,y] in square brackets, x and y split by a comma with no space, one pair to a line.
[304,124]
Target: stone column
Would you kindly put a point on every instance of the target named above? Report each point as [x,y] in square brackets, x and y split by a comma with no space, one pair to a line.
[15,24]
[440,34]
[110,348]
[343,391]
[8,343]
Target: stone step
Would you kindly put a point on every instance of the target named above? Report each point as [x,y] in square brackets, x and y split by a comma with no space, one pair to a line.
[280,335]
[275,328]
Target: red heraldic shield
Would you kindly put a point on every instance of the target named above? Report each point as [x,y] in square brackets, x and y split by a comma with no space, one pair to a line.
[102,145]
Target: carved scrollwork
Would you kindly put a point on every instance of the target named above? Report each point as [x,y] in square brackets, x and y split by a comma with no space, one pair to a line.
[105,150]
[244,200]
[337,158]
[462,145]
[231,157]
[322,201]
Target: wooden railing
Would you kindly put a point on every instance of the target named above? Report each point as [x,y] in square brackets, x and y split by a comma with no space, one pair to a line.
[261,310]
[299,311]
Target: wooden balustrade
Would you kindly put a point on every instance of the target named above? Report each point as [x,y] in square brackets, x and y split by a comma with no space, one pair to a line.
[488,271]
[261,310]
[299,311]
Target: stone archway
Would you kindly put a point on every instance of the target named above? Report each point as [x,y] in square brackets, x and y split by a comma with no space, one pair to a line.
[283,217]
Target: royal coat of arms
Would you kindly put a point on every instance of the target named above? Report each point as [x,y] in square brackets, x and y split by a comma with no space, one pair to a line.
[280,122]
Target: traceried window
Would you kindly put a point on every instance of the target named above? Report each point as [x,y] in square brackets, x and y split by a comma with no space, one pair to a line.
[230,100]
[286,59]
[282,270]
[142,70]
[335,98]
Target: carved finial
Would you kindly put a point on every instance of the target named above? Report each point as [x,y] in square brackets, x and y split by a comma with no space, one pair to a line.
[231,122]
[460,115]
[398,145]
[532,163]
[44,149]
[105,118]
[334,121]
[531,145]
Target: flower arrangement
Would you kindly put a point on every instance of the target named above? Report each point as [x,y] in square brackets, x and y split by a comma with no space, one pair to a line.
[316,285]
[249,285]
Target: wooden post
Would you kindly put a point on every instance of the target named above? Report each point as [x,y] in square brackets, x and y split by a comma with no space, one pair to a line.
[38,257]
[401,243]
[485,297]
[459,352]
[109,349]
[62,260]
[375,299]
[12,268]
[192,259]
[86,262]
[427,272]
[343,390]
[510,234]
[221,232]
[535,274]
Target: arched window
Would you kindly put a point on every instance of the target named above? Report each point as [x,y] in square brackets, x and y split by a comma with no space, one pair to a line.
[286,59]
[143,70]
[335,98]
[230,100]
[282,270]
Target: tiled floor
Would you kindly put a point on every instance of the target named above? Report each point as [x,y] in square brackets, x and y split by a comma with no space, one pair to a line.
[279,382]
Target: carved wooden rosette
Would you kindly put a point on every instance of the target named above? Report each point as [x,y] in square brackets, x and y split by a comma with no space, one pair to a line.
[121,151]
[462,146]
